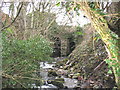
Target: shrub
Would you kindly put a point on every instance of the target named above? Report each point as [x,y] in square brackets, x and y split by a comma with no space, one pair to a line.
[21,60]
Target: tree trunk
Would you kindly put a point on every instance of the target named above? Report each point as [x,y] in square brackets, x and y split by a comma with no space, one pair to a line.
[0,48]
[32,19]
[112,43]
[114,21]
[25,18]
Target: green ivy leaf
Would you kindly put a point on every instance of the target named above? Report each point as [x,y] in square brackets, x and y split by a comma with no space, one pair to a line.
[58,4]
[107,61]
[9,30]
[79,33]
[110,72]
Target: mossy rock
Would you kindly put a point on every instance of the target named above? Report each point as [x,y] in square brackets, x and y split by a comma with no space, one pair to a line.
[76,66]
[75,76]
[59,63]
[60,79]
[65,60]
[52,73]
[38,83]
[57,83]
[70,75]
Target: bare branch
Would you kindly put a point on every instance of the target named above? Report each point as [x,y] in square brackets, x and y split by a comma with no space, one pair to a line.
[14,18]
[106,6]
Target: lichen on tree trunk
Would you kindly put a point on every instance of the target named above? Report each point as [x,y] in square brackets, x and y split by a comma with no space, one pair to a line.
[108,37]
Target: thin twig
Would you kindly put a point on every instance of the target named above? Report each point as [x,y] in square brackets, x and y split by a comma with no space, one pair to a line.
[14,18]
[9,76]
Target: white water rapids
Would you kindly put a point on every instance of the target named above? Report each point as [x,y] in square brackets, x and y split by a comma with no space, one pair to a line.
[44,66]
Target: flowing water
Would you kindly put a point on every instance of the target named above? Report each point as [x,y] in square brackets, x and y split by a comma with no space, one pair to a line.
[70,83]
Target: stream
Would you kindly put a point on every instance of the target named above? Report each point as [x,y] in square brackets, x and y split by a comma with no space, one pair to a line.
[45,66]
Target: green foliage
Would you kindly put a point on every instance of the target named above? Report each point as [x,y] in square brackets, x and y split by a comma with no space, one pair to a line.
[92,5]
[79,31]
[112,63]
[110,72]
[9,30]
[21,60]
[58,4]
[97,10]
[97,37]
[78,34]
[69,6]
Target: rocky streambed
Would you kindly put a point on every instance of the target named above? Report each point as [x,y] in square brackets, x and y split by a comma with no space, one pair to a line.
[54,77]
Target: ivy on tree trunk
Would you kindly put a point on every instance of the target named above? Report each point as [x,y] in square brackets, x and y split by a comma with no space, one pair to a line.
[108,37]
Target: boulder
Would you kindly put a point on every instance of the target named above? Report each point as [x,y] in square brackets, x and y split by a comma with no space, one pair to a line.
[62,72]
[52,73]
[60,79]
[75,76]
[57,83]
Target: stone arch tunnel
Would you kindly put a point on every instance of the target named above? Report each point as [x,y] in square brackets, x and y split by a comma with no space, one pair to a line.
[63,48]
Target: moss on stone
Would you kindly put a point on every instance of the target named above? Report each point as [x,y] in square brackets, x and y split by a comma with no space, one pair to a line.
[52,73]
